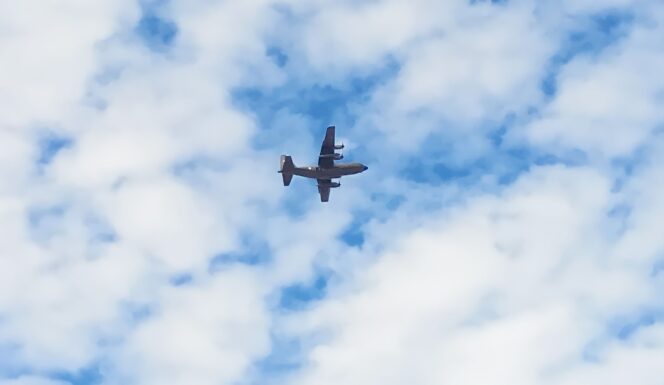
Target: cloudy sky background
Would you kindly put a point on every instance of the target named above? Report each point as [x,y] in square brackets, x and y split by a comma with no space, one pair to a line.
[509,229]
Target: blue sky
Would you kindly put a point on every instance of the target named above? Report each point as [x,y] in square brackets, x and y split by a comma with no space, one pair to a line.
[512,202]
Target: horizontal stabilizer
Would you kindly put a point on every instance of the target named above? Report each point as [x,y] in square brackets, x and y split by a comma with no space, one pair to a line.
[286,169]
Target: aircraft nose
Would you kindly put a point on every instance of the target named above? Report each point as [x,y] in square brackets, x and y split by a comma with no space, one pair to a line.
[366,168]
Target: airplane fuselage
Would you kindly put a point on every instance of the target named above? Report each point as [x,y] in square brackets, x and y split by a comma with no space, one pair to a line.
[337,171]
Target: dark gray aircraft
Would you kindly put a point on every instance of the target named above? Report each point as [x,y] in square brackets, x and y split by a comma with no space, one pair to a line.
[326,169]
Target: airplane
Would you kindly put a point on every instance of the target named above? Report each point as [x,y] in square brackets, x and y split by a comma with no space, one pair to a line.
[326,169]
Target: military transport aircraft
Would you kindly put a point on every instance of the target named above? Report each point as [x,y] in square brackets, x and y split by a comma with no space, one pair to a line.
[326,169]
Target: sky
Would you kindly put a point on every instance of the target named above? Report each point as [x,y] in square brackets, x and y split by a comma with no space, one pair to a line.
[508,229]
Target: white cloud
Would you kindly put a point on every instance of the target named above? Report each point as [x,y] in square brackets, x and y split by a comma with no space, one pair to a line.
[32,380]
[56,310]
[642,240]
[468,72]
[638,360]
[168,221]
[206,333]
[162,175]
[508,290]
[483,65]
[345,36]
[610,103]
[63,290]
[49,52]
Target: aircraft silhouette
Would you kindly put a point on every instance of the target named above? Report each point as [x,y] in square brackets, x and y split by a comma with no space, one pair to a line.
[326,169]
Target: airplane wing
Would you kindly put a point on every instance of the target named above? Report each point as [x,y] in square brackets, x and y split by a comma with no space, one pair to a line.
[324,189]
[327,149]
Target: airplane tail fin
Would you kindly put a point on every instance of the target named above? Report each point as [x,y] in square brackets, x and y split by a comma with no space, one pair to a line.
[286,169]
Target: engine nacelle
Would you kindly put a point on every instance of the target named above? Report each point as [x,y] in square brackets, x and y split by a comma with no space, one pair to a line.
[330,185]
[339,146]
[334,156]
